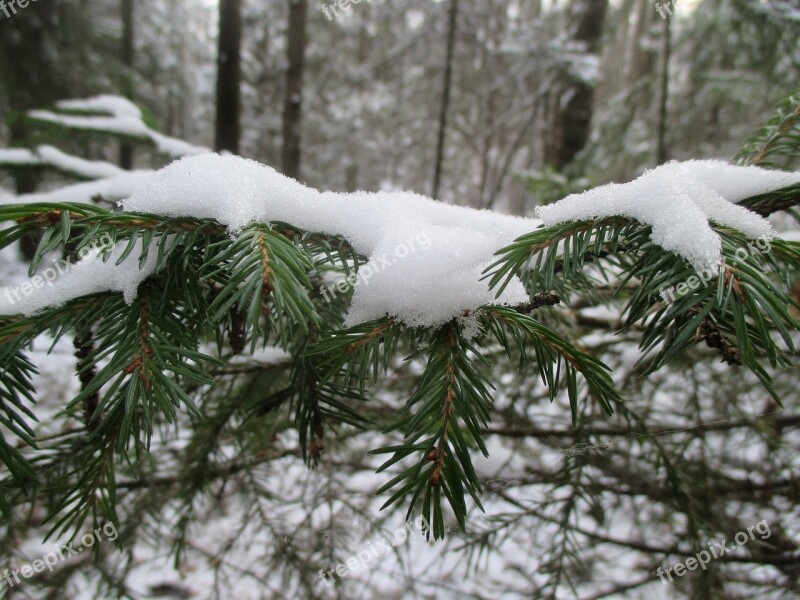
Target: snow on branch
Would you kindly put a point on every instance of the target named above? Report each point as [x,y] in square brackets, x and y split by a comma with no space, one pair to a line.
[49,156]
[112,188]
[678,200]
[114,115]
[18,157]
[421,284]
[429,285]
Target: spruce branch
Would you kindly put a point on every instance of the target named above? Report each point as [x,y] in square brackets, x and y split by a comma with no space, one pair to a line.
[778,139]
[358,352]
[748,301]
[441,422]
[262,274]
[550,353]
[16,392]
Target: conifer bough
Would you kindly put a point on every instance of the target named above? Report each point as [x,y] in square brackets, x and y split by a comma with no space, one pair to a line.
[215,248]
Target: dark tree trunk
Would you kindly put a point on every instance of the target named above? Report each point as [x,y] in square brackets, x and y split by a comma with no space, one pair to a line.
[127,54]
[293,99]
[572,113]
[228,128]
[448,76]
[32,76]
[662,153]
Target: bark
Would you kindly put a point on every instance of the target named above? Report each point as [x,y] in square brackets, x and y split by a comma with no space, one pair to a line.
[127,55]
[662,153]
[448,76]
[229,76]
[572,111]
[293,99]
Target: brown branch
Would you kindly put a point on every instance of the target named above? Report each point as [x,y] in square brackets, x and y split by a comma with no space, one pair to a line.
[84,346]
[227,471]
[777,420]
[714,338]
[782,130]
[377,331]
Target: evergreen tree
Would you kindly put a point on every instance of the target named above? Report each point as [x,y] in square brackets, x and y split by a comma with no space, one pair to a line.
[169,416]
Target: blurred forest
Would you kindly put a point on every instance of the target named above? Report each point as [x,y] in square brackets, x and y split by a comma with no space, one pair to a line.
[537,92]
[491,104]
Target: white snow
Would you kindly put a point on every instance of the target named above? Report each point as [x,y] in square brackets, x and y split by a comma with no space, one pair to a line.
[64,281]
[678,200]
[791,236]
[112,188]
[106,103]
[6,197]
[124,125]
[421,287]
[89,169]
[735,183]
[49,155]
[173,146]
[269,355]
[112,114]
[18,157]
[425,258]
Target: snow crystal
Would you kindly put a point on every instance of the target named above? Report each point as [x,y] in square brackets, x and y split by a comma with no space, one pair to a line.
[678,200]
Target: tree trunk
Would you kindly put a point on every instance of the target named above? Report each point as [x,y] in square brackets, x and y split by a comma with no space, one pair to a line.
[127,54]
[572,112]
[293,99]
[33,74]
[662,152]
[229,76]
[448,76]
